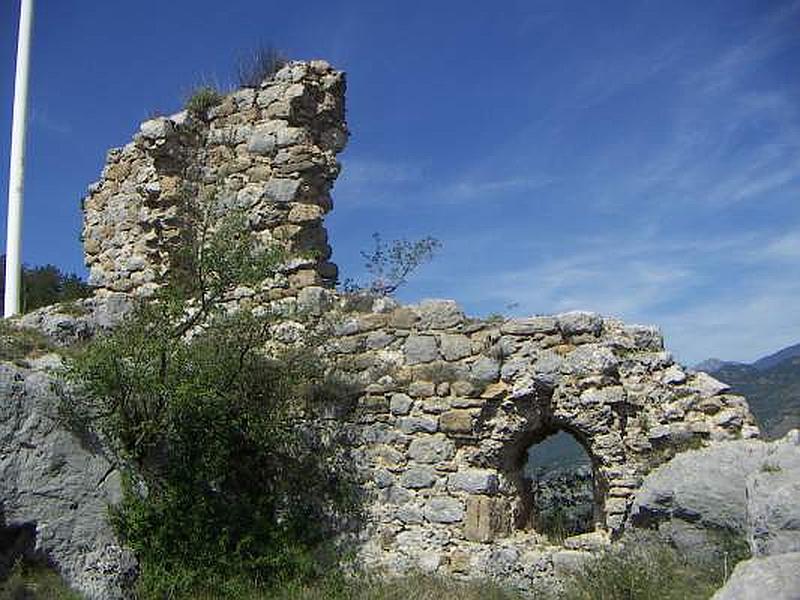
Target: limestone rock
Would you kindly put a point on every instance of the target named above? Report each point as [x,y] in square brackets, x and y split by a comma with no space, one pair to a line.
[530,326]
[773,577]
[420,349]
[744,486]
[431,449]
[418,477]
[444,510]
[579,322]
[473,481]
[400,404]
[60,488]
[773,510]
[439,314]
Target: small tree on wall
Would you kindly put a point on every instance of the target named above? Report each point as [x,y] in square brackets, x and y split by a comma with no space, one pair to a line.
[391,264]
[240,491]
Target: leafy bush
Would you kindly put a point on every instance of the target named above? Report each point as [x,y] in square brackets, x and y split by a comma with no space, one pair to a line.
[229,485]
[202,100]
[260,65]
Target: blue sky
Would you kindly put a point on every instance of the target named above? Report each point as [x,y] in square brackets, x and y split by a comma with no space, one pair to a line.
[639,159]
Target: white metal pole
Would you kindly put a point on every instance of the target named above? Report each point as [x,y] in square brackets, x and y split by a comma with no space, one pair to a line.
[16,171]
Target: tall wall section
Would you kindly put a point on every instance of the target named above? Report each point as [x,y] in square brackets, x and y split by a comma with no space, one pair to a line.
[271,151]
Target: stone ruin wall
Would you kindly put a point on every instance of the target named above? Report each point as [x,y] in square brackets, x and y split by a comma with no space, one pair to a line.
[271,151]
[450,404]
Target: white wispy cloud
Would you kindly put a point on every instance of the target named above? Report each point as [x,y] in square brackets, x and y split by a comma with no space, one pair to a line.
[374,181]
[765,38]
[733,296]
[475,188]
[42,118]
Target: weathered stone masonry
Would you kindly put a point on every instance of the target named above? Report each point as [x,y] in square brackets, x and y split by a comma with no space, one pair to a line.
[271,151]
[450,403]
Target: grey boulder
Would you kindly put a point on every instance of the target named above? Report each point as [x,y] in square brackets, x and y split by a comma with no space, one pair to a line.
[772,577]
[748,487]
[57,488]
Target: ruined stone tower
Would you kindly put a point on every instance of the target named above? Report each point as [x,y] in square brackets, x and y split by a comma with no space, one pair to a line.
[271,151]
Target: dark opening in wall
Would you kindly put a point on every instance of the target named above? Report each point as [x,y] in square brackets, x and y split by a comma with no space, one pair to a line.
[559,495]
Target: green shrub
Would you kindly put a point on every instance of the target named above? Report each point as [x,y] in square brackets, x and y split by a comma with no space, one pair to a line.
[228,485]
[202,100]
[45,285]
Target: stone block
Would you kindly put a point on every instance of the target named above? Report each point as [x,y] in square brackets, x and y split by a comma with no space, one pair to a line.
[418,424]
[530,326]
[418,478]
[439,314]
[403,318]
[431,449]
[281,190]
[473,481]
[485,369]
[580,322]
[487,519]
[456,421]
[455,346]
[421,389]
[420,349]
[400,404]
[377,340]
[444,510]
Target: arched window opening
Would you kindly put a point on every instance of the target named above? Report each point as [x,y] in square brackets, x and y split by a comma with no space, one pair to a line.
[558,481]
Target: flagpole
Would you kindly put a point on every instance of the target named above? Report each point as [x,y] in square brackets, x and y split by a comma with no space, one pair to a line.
[16,171]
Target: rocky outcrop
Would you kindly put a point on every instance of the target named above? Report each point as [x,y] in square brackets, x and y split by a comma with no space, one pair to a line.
[55,490]
[78,321]
[774,577]
[745,487]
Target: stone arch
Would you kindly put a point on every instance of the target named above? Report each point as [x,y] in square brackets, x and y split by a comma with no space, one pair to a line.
[529,517]
[527,422]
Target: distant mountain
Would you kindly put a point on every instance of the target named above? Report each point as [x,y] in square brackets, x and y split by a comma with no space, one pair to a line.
[712,364]
[773,359]
[771,385]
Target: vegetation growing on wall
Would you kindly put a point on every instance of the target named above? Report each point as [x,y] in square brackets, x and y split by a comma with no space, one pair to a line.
[261,64]
[228,485]
[391,264]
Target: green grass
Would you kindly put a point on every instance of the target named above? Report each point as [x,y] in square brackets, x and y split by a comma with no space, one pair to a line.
[645,569]
[18,343]
[31,581]
[202,99]
[337,587]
